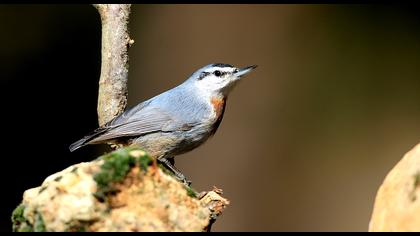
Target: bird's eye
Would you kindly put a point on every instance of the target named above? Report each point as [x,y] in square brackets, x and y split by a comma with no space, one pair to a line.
[217,73]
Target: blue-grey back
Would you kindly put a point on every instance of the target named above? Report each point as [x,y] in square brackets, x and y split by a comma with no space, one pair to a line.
[184,101]
[177,109]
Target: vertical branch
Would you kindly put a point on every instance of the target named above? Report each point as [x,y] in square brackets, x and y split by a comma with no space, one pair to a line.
[112,96]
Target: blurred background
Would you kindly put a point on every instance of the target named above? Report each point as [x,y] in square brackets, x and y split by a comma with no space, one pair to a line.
[306,140]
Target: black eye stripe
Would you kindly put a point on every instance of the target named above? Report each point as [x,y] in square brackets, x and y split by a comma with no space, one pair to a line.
[217,73]
[202,75]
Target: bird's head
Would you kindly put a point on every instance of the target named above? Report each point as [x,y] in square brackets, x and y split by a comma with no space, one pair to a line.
[218,78]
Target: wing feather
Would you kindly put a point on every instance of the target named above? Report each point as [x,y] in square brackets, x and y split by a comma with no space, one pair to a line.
[146,120]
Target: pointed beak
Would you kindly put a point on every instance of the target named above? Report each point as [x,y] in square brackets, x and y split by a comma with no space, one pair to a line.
[245,70]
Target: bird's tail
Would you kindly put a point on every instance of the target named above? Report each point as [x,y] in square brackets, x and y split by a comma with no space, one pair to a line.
[86,140]
[78,144]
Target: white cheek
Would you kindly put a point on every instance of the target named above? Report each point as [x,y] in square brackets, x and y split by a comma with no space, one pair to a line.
[211,84]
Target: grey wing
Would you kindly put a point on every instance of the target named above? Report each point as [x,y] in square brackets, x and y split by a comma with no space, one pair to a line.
[140,122]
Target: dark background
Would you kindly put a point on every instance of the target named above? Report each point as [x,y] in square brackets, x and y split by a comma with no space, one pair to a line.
[306,139]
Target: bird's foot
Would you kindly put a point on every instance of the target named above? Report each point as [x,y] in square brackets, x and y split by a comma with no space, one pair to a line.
[169,164]
[181,177]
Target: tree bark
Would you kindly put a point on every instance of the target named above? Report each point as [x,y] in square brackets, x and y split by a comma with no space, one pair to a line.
[112,96]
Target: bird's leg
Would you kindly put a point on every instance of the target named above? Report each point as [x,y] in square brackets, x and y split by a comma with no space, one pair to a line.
[169,163]
[178,172]
[171,160]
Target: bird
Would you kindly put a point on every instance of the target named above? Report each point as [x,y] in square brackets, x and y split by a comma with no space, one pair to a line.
[175,121]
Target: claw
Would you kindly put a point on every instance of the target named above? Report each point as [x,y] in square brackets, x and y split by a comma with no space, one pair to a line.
[169,163]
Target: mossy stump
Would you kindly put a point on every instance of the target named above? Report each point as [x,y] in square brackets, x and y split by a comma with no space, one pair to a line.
[125,190]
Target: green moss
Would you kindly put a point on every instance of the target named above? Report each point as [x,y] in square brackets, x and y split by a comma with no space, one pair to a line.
[145,162]
[25,227]
[416,184]
[42,189]
[416,180]
[19,222]
[39,225]
[116,166]
[74,169]
[17,214]
[79,226]
[166,170]
[191,192]
[58,178]
[82,228]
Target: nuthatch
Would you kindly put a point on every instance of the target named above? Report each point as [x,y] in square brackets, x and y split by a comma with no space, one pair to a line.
[176,121]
